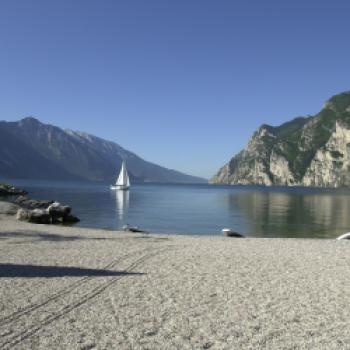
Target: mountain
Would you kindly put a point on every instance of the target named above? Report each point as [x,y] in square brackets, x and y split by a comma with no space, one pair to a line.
[307,151]
[33,150]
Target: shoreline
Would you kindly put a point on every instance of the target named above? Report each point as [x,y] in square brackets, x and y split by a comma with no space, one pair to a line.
[258,214]
[77,288]
[12,218]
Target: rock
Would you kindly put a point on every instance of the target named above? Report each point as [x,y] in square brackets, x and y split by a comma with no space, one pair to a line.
[129,228]
[54,205]
[22,214]
[32,203]
[42,216]
[57,210]
[229,233]
[39,216]
[70,219]
[36,204]
[44,212]
[61,213]
[150,332]
[330,165]
[21,199]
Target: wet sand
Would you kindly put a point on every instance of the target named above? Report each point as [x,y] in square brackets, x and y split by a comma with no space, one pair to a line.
[71,288]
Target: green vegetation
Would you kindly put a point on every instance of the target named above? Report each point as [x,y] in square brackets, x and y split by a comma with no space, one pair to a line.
[299,139]
[340,102]
[291,127]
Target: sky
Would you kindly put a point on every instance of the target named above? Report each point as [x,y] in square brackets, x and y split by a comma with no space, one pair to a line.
[182,83]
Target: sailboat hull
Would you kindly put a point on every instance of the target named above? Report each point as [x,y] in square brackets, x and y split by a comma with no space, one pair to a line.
[119,187]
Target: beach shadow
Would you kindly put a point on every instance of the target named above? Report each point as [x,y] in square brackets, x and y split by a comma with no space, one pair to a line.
[32,271]
[42,236]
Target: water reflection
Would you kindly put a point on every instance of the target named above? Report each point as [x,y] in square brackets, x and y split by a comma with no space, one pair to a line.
[283,214]
[122,204]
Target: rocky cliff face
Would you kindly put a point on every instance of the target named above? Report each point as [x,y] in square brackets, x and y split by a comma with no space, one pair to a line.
[310,151]
[331,165]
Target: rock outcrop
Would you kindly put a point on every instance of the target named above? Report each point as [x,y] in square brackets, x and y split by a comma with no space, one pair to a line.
[44,212]
[307,151]
[331,165]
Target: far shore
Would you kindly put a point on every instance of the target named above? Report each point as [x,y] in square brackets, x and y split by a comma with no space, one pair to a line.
[75,288]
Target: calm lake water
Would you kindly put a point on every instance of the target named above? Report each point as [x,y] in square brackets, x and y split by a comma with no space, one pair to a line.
[204,209]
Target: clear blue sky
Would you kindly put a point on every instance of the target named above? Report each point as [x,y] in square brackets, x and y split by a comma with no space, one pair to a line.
[182,83]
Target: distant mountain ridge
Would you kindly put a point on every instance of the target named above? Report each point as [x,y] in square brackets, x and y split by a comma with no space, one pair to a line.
[33,150]
[307,151]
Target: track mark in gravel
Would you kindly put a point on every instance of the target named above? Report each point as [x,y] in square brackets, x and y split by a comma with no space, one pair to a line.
[35,306]
[34,328]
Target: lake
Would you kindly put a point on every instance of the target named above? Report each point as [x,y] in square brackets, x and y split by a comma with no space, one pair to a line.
[204,209]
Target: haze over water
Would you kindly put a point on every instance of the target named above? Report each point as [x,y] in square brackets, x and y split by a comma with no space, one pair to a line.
[204,209]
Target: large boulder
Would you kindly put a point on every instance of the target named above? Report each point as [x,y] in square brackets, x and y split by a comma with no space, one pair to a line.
[58,212]
[71,219]
[39,216]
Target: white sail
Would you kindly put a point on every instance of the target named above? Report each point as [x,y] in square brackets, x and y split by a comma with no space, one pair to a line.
[122,182]
[123,178]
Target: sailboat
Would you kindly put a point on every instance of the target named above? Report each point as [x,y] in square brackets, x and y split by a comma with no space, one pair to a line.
[122,182]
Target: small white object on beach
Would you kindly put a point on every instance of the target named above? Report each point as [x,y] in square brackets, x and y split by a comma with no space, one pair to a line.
[344,236]
[230,233]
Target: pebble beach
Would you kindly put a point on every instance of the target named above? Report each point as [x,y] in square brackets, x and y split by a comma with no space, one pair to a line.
[73,288]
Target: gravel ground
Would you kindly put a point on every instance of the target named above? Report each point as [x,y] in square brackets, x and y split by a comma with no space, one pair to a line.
[71,288]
